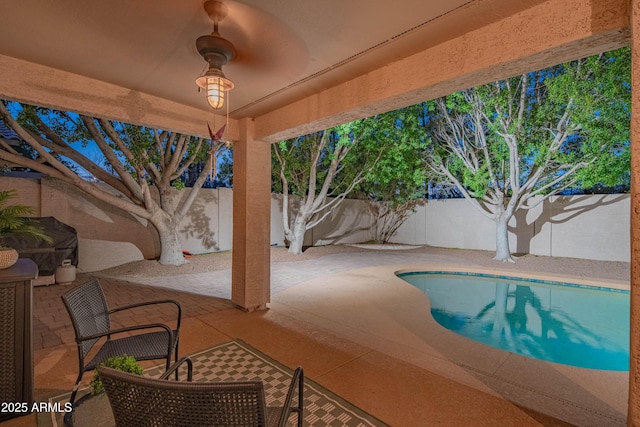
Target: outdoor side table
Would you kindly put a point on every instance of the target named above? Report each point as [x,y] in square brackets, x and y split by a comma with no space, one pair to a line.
[16,349]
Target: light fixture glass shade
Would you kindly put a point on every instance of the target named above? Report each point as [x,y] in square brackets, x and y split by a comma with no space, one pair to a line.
[216,84]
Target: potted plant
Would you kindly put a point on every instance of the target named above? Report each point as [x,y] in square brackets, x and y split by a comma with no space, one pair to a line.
[93,408]
[121,363]
[13,221]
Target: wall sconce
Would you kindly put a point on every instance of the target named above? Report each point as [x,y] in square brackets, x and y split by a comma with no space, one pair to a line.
[217,51]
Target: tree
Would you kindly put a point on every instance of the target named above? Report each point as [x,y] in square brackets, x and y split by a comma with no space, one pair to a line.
[321,169]
[142,165]
[396,185]
[220,173]
[505,143]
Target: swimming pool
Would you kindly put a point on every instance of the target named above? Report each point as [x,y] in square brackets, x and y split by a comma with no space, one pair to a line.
[563,323]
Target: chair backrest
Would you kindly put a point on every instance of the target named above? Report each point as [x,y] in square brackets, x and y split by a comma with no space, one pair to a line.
[89,313]
[146,402]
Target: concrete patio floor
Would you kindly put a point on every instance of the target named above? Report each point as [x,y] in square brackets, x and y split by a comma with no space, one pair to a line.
[365,334]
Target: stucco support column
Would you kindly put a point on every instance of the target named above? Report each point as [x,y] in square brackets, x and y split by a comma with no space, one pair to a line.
[633,418]
[251,272]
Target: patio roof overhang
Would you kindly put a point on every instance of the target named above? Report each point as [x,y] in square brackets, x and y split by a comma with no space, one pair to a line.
[299,69]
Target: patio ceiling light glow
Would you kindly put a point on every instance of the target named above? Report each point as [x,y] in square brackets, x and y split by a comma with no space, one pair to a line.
[217,51]
[216,84]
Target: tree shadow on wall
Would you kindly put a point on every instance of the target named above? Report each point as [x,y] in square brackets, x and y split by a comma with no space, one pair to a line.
[342,223]
[199,223]
[334,221]
[558,210]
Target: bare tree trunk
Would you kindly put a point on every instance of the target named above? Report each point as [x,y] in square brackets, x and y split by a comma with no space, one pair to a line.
[297,235]
[320,194]
[502,239]
[500,324]
[171,252]
[170,246]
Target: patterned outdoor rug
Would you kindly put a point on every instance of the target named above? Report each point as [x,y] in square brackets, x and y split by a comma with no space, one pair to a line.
[238,361]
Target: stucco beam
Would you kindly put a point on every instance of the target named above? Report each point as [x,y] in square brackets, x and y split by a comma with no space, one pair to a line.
[547,34]
[48,87]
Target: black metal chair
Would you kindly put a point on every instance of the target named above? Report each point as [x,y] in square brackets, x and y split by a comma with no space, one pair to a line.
[150,402]
[91,320]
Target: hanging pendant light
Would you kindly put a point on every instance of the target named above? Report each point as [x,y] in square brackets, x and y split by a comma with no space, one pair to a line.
[217,51]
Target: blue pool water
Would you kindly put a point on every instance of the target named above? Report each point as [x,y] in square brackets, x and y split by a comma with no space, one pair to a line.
[558,322]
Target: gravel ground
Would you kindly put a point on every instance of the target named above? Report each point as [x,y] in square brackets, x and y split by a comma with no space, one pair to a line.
[222,260]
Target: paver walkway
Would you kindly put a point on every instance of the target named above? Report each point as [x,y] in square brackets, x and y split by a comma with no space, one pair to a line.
[287,274]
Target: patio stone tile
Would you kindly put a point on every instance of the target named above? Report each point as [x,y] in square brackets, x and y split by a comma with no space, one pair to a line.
[404,378]
[196,335]
[293,342]
[55,370]
[50,341]
[418,395]
[52,325]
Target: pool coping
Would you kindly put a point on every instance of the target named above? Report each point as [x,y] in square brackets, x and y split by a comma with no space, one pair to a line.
[582,396]
[536,277]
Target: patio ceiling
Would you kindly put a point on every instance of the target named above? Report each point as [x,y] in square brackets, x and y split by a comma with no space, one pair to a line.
[288,51]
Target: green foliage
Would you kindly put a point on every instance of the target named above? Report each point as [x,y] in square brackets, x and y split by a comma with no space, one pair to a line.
[139,140]
[225,169]
[158,157]
[537,133]
[301,159]
[399,175]
[376,159]
[387,148]
[121,363]
[322,169]
[13,221]
[178,184]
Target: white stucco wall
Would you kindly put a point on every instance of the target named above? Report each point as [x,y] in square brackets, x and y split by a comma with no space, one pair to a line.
[449,224]
[590,227]
[107,236]
[349,223]
[208,226]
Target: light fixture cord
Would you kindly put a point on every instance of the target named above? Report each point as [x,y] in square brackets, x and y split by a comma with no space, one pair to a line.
[227,142]
[212,165]
[212,152]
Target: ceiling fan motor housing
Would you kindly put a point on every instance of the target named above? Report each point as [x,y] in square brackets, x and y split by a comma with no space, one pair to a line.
[215,49]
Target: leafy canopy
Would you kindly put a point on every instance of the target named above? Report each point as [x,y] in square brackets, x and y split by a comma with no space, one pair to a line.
[564,126]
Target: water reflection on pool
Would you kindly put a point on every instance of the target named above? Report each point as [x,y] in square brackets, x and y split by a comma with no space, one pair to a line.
[562,323]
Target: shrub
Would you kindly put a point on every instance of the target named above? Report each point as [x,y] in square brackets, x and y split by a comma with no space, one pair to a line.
[12,220]
[121,363]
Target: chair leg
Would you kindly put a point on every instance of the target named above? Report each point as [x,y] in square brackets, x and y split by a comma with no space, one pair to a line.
[75,388]
[300,398]
[176,357]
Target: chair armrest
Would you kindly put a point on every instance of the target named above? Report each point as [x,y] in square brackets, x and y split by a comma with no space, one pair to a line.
[142,304]
[297,381]
[175,367]
[128,329]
